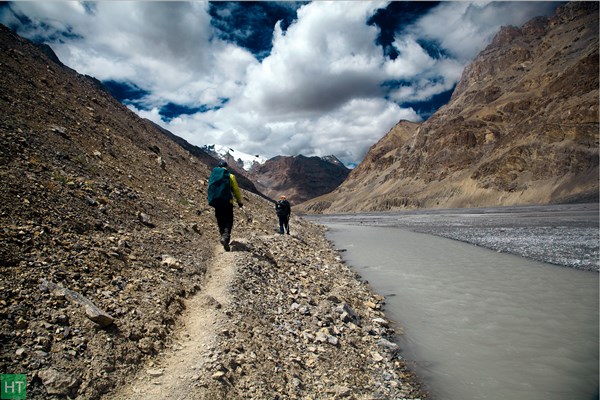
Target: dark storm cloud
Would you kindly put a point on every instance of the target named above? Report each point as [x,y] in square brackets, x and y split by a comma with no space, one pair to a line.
[125,91]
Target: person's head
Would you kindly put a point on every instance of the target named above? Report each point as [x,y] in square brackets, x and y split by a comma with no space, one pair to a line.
[223,164]
[282,198]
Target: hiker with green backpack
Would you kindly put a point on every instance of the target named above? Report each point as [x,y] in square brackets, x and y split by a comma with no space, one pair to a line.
[222,187]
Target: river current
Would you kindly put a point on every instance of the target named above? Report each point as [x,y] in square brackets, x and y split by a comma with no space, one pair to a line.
[479,323]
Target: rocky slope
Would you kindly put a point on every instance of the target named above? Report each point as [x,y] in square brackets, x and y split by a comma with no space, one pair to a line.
[521,128]
[299,178]
[104,233]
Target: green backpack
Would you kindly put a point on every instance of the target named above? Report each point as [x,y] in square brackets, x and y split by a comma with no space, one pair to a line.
[219,188]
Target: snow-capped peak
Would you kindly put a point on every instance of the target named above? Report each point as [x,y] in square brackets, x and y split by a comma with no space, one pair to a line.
[243,160]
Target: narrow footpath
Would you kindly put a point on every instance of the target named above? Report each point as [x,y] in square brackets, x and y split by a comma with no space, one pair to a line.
[174,374]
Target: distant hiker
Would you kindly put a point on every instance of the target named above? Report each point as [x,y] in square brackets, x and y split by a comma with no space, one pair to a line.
[220,187]
[283,210]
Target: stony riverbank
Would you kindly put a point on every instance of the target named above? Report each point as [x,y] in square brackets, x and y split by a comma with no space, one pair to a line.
[302,325]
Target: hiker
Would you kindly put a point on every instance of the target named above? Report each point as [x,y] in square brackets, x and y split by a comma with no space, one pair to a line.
[221,185]
[283,210]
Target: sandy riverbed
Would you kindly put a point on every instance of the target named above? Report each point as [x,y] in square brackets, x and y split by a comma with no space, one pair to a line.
[564,235]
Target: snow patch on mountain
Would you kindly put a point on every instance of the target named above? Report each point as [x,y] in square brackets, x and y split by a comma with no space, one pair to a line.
[333,160]
[243,160]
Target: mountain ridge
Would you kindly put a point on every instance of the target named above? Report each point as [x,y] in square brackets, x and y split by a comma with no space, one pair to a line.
[521,128]
[299,178]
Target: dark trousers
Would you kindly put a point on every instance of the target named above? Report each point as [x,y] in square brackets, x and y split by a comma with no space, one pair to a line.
[284,223]
[224,216]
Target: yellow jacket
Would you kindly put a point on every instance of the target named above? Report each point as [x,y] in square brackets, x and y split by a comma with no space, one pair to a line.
[235,189]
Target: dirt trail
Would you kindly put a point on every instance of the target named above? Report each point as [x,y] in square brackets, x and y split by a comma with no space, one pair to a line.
[174,375]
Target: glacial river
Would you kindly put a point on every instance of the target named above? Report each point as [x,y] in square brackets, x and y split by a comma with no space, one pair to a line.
[478,323]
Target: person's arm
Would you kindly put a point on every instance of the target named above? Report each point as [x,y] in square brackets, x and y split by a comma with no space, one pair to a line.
[235,189]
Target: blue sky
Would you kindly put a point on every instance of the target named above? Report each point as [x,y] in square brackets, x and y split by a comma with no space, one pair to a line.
[273,78]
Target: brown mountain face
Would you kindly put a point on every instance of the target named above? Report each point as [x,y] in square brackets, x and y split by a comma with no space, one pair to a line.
[299,178]
[521,128]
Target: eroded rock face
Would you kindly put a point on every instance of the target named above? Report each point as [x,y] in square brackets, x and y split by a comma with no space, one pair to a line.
[521,128]
[299,178]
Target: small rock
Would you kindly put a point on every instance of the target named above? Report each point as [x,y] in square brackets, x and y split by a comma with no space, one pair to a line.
[145,219]
[321,337]
[154,372]
[98,316]
[348,314]
[218,375]
[171,262]
[386,343]
[371,305]
[332,340]
[55,382]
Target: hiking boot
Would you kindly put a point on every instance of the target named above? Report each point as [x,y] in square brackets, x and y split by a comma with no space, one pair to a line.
[225,244]
[225,240]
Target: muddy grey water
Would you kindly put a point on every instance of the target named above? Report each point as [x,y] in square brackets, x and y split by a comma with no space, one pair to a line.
[481,323]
